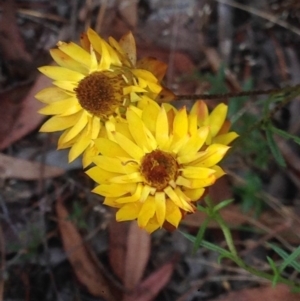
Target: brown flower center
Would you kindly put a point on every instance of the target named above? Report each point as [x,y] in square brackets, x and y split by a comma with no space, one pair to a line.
[159,168]
[101,93]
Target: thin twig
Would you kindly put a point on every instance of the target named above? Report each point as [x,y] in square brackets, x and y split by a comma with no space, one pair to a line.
[272,18]
[237,94]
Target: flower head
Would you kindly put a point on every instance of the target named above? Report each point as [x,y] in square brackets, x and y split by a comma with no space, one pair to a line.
[155,164]
[94,81]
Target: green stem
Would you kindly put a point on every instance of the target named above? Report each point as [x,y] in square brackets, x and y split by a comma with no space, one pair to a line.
[240,262]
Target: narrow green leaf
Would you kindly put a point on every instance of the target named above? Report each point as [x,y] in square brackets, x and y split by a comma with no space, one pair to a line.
[200,234]
[274,148]
[288,259]
[209,246]
[285,134]
[201,208]
[223,204]
[275,270]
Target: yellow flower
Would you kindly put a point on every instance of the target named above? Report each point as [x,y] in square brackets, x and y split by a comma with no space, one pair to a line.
[155,164]
[92,82]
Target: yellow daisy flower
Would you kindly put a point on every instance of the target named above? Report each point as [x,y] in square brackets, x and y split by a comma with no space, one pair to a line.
[92,82]
[155,165]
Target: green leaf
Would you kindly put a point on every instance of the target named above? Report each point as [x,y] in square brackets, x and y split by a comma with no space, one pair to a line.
[201,208]
[288,259]
[222,204]
[274,148]
[275,270]
[210,246]
[200,234]
[285,134]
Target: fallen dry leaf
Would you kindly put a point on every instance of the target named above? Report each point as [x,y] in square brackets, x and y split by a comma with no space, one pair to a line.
[83,265]
[19,115]
[118,246]
[129,251]
[14,168]
[152,285]
[11,42]
[278,293]
[137,255]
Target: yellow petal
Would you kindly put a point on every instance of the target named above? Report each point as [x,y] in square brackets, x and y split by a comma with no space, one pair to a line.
[100,175]
[178,201]
[152,225]
[162,128]
[62,143]
[178,144]
[217,118]
[100,47]
[138,131]
[134,177]
[59,107]
[145,193]
[195,183]
[94,126]
[66,85]
[114,190]
[64,60]
[51,94]
[109,148]
[132,198]
[225,138]
[115,165]
[122,55]
[111,202]
[78,148]
[160,203]
[212,155]
[128,212]
[130,89]
[194,172]
[186,159]
[195,142]
[155,88]
[88,155]
[180,124]
[129,147]
[61,73]
[193,125]
[57,123]
[173,214]
[147,211]
[78,127]
[194,194]
[219,171]
[144,74]
[149,113]
[76,52]
[75,108]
